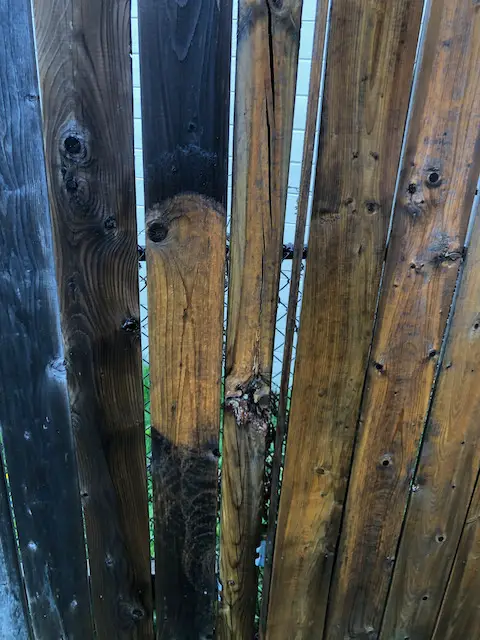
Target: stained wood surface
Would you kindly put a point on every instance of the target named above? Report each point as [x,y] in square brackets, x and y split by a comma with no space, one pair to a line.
[460,613]
[185,66]
[370,57]
[85,74]
[186,259]
[450,454]
[34,413]
[435,195]
[321,14]
[14,621]
[267,55]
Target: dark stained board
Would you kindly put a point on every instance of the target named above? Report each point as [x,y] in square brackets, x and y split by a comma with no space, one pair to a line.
[450,454]
[321,14]
[370,56]
[85,75]
[14,621]
[267,55]
[185,71]
[435,194]
[34,412]
[460,613]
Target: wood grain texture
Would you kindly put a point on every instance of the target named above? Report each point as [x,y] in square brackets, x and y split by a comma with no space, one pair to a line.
[267,55]
[460,613]
[85,74]
[185,66]
[321,15]
[370,57]
[450,454]
[14,620]
[186,45]
[34,412]
[186,260]
[435,195]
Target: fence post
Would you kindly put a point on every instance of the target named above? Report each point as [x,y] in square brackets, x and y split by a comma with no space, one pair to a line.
[185,70]
[34,411]
[85,74]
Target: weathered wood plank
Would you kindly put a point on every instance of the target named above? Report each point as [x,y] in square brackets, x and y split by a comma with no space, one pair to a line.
[185,65]
[34,412]
[267,55]
[14,621]
[321,15]
[436,191]
[460,613]
[370,57]
[450,454]
[185,261]
[85,74]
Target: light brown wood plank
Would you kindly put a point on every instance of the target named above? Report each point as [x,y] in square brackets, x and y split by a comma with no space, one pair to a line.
[370,59]
[450,455]
[267,54]
[321,15]
[460,613]
[185,67]
[85,76]
[436,191]
[186,260]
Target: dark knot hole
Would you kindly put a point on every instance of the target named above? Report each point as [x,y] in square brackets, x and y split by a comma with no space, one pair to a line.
[157,232]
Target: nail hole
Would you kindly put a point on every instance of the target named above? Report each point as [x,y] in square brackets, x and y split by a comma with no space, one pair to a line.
[424,597]
[476,325]
[157,232]
[216,452]
[73,145]
[386,462]
[137,614]
[378,366]
[440,538]
[433,179]
[432,353]
[413,265]
[412,188]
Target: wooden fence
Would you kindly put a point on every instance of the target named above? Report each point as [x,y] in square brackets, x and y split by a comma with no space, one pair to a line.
[369,511]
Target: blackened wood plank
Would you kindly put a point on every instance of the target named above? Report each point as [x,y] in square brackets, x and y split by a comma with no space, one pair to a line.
[34,411]
[436,190]
[185,66]
[85,73]
[369,66]
[14,621]
[267,55]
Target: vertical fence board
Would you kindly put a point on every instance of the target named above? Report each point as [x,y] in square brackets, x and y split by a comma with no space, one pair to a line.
[34,413]
[436,191]
[460,613]
[85,74]
[450,455]
[321,15]
[185,65]
[370,59]
[13,611]
[267,54]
